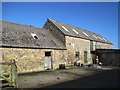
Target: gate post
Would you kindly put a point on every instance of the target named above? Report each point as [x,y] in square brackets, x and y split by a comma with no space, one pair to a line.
[14,75]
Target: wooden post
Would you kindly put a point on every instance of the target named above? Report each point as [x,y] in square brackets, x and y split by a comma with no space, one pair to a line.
[14,74]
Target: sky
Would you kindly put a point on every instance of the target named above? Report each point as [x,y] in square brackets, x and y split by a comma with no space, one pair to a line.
[97,17]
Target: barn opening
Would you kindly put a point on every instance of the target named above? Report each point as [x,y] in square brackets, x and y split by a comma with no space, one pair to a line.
[47,53]
[48,60]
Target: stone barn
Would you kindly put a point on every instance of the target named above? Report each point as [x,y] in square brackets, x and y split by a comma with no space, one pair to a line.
[79,43]
[36,49]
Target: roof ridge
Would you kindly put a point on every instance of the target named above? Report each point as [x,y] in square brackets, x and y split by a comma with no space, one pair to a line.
[20,24]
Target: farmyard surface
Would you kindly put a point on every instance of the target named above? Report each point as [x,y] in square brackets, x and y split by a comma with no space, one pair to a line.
[71,78]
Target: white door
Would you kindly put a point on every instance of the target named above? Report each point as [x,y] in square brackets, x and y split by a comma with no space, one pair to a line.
[48,60]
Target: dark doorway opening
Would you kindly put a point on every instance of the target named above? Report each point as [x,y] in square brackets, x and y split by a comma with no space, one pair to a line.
[48,53]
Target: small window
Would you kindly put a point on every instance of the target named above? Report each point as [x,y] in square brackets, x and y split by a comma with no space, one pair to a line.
[85,34]
[100,38]
[34,36]
[77,54]
[95,36]
[75,31]
[104,39]
[65,28]
[47,53]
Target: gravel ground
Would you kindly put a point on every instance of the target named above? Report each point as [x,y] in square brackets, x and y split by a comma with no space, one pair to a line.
[48,78]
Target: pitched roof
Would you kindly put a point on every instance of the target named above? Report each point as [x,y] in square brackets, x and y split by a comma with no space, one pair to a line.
[18,35]
[78,32]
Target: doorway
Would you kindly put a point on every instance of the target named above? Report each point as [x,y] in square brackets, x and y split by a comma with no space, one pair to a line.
[48,60]
[85,56]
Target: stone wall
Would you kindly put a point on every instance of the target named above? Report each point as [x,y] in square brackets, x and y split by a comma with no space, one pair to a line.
[80,45]
[74,45]
[99,45]
[29,60]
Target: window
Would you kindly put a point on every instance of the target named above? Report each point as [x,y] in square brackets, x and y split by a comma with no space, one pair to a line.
[48,53]
[75,31]
[85,34]
[100,38]
[104,39]
[34,36]
[95,36]
[65,28]
[77,54]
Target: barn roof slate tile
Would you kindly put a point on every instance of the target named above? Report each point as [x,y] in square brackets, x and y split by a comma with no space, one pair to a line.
[18,35]
[82,33]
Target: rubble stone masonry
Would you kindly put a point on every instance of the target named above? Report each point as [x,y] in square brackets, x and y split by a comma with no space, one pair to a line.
[79,45]
[74,44]
[29,60]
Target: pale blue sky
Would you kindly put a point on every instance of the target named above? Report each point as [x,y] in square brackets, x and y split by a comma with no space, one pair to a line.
[97,17]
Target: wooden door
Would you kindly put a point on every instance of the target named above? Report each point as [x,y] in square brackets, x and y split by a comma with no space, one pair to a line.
[85,56]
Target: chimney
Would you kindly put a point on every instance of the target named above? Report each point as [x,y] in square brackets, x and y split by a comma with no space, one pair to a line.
[31,26]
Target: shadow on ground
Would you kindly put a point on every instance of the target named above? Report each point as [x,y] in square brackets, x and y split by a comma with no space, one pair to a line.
[104,79]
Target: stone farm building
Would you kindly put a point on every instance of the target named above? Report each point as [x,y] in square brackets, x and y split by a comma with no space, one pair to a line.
[36,49]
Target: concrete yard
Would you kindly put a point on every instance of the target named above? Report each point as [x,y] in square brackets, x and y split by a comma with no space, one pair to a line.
[77,77]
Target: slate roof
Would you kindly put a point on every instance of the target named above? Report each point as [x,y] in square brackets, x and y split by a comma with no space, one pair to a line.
[78,32]
[18,35]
